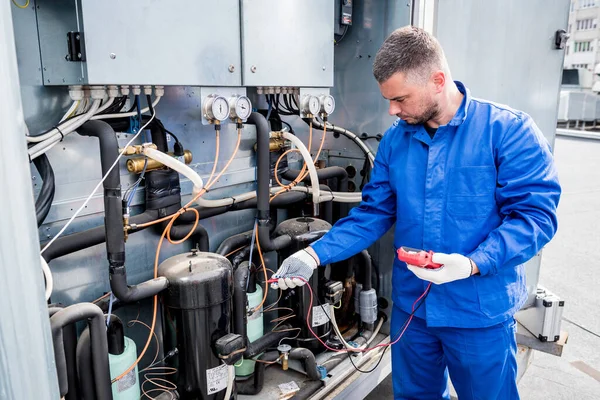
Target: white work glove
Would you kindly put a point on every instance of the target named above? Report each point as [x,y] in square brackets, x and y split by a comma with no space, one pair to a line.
[454,267]
[299,265]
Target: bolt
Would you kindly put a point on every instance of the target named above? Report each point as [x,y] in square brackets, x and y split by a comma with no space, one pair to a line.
[79,55]
[253,68]
[231,68]
[33,178]
[68,57]
[44,68]
[64,80]
[324,68]
[113,56]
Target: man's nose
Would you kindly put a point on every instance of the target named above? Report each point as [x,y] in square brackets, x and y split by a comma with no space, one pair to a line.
[394,109]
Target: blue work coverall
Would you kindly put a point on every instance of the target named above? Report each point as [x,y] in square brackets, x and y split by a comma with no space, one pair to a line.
[484,186]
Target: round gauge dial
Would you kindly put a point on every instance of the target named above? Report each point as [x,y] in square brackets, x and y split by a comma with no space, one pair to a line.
[241,108]
[217,108]
[311,105]
[327,104]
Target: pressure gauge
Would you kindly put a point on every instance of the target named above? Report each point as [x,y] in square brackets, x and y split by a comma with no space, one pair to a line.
[327,104]
[216,108]
[240,107]
[311,105]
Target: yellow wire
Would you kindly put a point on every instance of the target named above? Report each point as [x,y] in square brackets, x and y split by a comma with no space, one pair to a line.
[21,6]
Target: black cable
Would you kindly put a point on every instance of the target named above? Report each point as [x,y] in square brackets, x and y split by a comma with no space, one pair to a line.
[46,195]
[342,36]
[150,108]
[134,104]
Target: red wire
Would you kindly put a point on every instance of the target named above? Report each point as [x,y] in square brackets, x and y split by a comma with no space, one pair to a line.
[354,350]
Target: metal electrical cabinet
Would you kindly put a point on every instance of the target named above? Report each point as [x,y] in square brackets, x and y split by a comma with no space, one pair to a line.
[287,43]
[188,42]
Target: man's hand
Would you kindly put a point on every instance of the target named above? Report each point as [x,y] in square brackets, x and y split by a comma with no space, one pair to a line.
[454,267]
[299,265]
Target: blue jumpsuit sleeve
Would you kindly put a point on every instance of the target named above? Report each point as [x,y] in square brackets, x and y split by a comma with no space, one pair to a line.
[527,195]
[367,222]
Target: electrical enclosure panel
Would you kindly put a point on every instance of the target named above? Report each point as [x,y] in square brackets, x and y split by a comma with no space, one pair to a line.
[188,42]
[287,43]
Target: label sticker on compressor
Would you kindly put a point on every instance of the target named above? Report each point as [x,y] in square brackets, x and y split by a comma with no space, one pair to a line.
[216,379]
[320,315]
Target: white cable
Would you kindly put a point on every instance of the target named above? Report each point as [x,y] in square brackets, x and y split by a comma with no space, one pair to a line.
[338,333]
[128,114]
[338,197]
[230,380]
[225,202]
[176,165]
[375,332]
[115,163]
[48,276]
[106,105]
[67,127]
[312,171]
[70,111]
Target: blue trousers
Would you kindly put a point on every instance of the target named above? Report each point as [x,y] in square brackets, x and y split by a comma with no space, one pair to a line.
[481,361]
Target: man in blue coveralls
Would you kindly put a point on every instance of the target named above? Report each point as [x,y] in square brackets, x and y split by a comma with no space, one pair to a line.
[475,182]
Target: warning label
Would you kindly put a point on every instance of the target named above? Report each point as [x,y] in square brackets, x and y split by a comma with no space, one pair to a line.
[320,315]
[216,379]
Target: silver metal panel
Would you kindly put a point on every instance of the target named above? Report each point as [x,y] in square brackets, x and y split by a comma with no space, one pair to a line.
[485,44]
[575,106]
[287,43]
[55,19]
[28,49]
[190,42]
[498,65]
[27,368]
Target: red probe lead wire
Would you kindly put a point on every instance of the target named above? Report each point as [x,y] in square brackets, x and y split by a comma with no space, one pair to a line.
[354,350]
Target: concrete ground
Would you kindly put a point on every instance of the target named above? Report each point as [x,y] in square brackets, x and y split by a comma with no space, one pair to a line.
[569,266]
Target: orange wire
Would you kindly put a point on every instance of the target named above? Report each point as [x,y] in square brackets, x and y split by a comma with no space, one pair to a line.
[302,173]
[212,173]
[266,291]
[159,246]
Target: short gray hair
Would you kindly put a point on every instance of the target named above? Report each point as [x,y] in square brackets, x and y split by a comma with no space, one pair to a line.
[410,50]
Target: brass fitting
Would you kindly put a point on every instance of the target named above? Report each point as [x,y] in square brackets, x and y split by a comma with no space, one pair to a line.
[137,149]
[136,164]
[126,226]
[284,353]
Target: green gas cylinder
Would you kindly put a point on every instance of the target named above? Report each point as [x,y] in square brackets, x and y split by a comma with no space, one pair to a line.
[255,329]
[122,353]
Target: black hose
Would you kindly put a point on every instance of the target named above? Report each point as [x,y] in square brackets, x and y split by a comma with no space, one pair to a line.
[115,334]
[254,387]
[159,136]
[84,366]
[99,345]
[309,361]
[70,343]
[46,195]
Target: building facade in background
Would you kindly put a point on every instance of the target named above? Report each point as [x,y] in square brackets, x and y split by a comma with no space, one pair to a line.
[583,48]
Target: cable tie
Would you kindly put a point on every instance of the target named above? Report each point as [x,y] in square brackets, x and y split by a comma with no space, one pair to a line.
[62,135]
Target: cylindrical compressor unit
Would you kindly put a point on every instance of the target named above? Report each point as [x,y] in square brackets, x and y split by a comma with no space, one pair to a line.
[303,232]
[197,312]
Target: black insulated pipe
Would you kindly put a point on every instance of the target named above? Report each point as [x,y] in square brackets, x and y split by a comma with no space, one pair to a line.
[70,343]
[82,240]
[263,185]
[254,386]
[99,346]
[84,366]
[309,361]
[46,195]
[199,237]
[115,335]
[240,319]
[233,242]
[113,220]
[338,173]
[367,269]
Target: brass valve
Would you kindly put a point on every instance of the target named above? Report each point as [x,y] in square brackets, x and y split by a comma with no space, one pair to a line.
[137,149]
[136,164]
